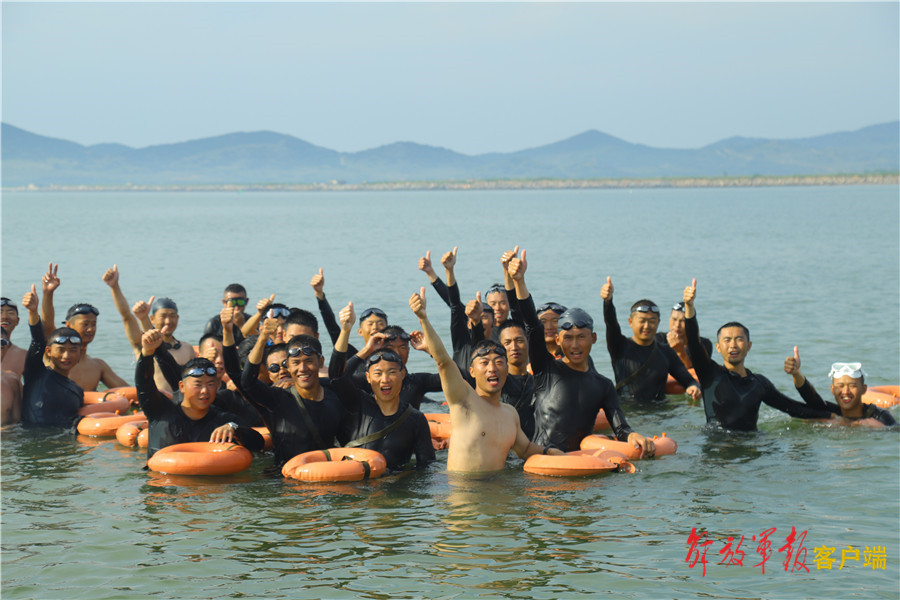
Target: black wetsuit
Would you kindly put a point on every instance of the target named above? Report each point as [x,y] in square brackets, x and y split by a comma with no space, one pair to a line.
[415,385]
[662,339]
[628,356]
[566,401]
[363,417]
[214,326]
[169,425]
[283,416]
[732,401]
[49,399]
[518,392]
[870,411]
[461,337]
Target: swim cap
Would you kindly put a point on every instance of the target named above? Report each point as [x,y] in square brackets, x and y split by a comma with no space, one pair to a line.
[575,317]
[854,370]
[485,307]
[163,303]
[81,309]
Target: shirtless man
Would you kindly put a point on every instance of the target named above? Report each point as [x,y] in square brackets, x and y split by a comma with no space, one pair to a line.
[13,356]
[848,384]
[476,413]
[90,371]
[10,388]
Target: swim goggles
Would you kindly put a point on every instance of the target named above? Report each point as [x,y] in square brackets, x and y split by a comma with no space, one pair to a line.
[82,309]
[854,370]
[578,324]
[279,312]
[490,349]
[275,367]
[200,372]
[557,308]
[4,342]
[372,311]
[388,355]
[62,339]
[7,302]
[494,289]
[643,308]
[404,337]
[237,301]
[304,350]
[678,307]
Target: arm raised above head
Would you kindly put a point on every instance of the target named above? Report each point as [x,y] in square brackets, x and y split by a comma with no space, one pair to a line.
[456,390]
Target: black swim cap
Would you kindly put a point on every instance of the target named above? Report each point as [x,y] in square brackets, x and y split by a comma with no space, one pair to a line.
[163,303]
[81,309]
[575,317]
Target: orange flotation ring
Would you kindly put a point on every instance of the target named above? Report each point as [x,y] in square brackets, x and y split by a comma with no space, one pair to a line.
[127,392]
[105,424]
[578,463]
[673,388]
[336,464]
[200,458]
[264,431]
[601,423]
[104,402]
[439,424]
[664,445]
[127,433]
[143,438]
[884,396]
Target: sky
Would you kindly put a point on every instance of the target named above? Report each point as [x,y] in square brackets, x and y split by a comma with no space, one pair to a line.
[471,77]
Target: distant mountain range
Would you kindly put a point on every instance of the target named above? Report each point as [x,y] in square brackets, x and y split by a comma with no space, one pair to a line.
[265,157]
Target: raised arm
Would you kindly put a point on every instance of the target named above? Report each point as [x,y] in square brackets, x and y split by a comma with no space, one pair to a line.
[149,398]
[132,327]
[49,283]
[456,390]
[538,355]
[508,283]
[250,325]
[804,387]
[141,312]
[703,364]
[615,341]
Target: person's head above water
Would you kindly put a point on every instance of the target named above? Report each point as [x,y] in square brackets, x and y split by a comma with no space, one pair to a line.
[676,320]
[397,340]
[82,317]
[575,337]
[372,320]
[64,349]
[301,322]
[489,367]
[385,373]
[514,340]
[644,321]
[199,383]
[164,315]
[9,314]
[498,300]
[304,361]
[548,314]
[848,384]
[733,343]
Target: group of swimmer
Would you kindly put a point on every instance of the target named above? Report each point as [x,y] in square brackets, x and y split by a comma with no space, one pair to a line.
[516,376]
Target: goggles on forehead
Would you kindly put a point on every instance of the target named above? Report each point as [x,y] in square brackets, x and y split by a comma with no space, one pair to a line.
[678,307]
[200,372]
[643,308]
[63,339]
[82,309]
[490,349]
[854,370]
[404,337]
[279,312]
[372,311]
[495,289]
[381,355]
[237,301]
[304,350]
[557,308]
[7,302]
[275,367]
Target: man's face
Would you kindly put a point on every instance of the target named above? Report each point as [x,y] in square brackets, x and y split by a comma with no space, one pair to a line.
[733,345]
[293,329]
[386,379]
[676,323]
[644,325]
[63,357]
[240,301]
[212,349]
[304,370]
[848,392]
[489,372]
[500,303]
[516,344]
[370,325]
[576,343]
[85,325]
[487,323]
[199,392]
[281,377]
[400,346]
[9,318]
[165,319]
[550,320]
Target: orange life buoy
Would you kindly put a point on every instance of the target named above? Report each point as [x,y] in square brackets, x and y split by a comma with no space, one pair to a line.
[578,463]
[105,424]
[200,458]
[884,396]
[127,433]
[439,424]
[673,388]
[893,390]
[95,402]
[336,464]
[143,438]
[127,392]
[664,445]
[601,422]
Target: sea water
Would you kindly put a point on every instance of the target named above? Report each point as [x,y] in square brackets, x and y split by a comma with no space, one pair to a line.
[816,267]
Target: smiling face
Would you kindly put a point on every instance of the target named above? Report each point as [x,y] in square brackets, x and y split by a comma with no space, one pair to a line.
[370,325]
[63,357]
[199,392]
[9,318]
[282,376]
[489,372]
[676,323]
[500,303]
[85,325]
[386,379]
[166,320]
[733,344]
[644,326]
[848,393]
[304,370]
[575,344]
[516,344]
[550,320]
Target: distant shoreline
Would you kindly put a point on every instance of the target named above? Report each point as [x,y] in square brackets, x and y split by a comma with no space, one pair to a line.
[504,184]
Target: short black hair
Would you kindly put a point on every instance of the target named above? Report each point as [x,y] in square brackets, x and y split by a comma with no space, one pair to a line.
[299,341]
[64,332]
[734,324]
[207,336]
[304,318]
[644,302]
[235,288]
[487,347]
[393,330]
[510,323]
[271,349]
[197,361]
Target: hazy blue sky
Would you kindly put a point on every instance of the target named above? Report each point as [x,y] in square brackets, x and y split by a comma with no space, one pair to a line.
[471,77]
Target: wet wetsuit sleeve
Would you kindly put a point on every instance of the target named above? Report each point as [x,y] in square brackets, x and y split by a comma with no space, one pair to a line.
[424,449]
[213,325]
[255,391]
[343,386]
[168,366]
[880,415]
[615,341]
[538,355]
[331,324]
[250,438]
[614,413]
[703,365]
[151,401]
[812,397]
[515,311]
[337,364]
[459,332]
[443,291]
[34,359]
[776,399]
[677,368]
[233,366]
